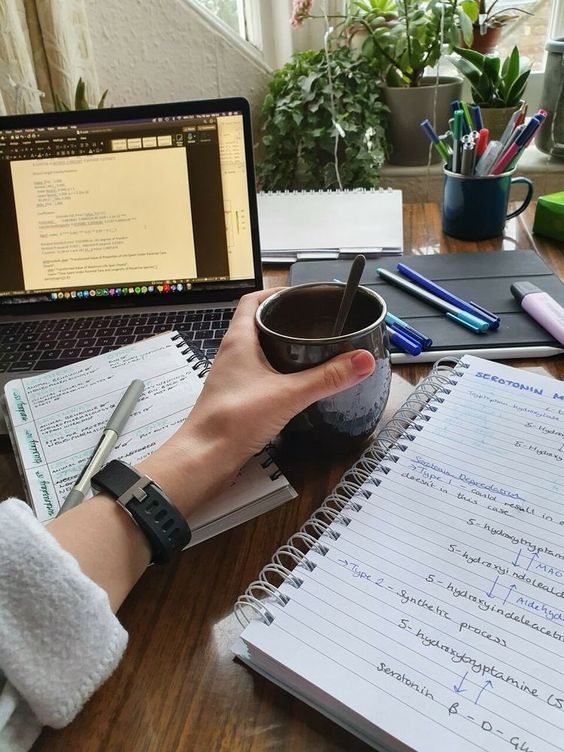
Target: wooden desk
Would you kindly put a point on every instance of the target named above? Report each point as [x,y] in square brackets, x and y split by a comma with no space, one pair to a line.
[178,687]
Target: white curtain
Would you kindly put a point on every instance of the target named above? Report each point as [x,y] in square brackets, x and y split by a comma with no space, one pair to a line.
[45,47]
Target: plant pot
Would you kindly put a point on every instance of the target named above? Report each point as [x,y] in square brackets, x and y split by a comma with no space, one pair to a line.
[550,137]
[495,119]
[486,43]
[408,108]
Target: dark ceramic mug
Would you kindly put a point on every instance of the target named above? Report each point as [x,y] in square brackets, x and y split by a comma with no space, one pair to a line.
[475,207]
[295,332]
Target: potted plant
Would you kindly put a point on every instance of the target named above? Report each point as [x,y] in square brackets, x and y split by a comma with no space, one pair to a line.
[323,123]
[80,100]
[497,87]
[406,37]
[489,24]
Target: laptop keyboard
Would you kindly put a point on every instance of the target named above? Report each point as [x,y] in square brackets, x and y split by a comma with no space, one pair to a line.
[43,345]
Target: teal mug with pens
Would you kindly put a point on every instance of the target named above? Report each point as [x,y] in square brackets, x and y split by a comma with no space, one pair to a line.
[475,207]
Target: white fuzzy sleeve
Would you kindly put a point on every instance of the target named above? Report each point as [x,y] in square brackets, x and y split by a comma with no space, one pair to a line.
[59,640]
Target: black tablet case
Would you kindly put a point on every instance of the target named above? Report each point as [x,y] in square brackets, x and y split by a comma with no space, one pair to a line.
[481,276]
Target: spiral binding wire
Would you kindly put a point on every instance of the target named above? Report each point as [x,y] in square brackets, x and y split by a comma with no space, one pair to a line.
[344,190]
[389,441]
[195,357]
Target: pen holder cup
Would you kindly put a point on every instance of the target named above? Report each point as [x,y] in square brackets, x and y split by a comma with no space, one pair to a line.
[295,328]
[475,208]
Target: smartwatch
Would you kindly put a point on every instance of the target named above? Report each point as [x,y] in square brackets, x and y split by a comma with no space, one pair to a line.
[162,524]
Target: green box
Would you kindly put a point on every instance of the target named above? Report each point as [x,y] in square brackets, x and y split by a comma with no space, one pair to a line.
[549,216]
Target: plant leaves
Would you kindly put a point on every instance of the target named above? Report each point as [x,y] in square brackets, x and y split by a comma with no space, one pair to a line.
[510,68]
[474,58]
[471,8]
[80,101]
[492,66]
[516,91]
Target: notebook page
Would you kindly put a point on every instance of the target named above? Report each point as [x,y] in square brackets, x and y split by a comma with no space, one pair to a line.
[438,613]
[58,418]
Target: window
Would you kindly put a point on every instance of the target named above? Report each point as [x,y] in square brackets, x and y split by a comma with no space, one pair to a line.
[240,15]
[529,33]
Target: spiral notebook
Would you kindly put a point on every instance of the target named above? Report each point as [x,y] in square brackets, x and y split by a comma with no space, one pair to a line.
[330,224]
[422,606]
[55,420]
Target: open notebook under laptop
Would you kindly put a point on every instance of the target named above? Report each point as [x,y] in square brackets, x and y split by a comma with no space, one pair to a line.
[121,223]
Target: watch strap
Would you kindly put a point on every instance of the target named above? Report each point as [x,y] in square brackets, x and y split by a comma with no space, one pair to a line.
[163,525]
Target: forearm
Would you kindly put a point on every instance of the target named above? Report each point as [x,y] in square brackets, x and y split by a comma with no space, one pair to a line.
[106,542]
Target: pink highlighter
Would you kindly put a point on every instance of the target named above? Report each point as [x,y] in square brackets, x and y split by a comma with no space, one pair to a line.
[541,307]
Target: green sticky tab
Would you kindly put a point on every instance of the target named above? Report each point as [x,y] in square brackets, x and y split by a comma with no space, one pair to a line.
[549,216]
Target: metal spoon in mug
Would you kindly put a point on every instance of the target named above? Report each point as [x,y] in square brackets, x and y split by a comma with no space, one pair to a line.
[351,287]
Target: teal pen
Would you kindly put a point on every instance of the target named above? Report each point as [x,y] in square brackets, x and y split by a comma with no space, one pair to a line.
[453,313]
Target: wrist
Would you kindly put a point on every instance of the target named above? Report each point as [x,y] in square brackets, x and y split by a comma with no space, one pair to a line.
[190,468]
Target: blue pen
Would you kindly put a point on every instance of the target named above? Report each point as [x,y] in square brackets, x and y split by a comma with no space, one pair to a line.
[396,323]
[434,139]
[405,343]
[476,113]
[490,318]
[451,311]
[528,134]
[455,105]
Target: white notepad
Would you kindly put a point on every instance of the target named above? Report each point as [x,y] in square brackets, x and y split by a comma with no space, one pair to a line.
[429,615]
[55,420]
[312,223]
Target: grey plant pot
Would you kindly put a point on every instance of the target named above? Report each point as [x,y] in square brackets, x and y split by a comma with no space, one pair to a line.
[408,107]
[495,119]
[550,138]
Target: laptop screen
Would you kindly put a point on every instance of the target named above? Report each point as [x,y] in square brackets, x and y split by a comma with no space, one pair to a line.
[149,206]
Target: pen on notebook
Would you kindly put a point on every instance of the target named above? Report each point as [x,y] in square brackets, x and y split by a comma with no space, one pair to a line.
[403,341]
[395,321]
[453,313]
[113,428]
[490,318]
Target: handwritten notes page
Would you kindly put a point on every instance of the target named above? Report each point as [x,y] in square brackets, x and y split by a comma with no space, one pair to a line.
[436,618]
[57,418]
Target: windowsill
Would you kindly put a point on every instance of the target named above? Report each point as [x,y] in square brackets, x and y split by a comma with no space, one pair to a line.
[425,183]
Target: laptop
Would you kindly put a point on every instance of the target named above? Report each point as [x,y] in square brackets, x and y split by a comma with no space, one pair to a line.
[121,223]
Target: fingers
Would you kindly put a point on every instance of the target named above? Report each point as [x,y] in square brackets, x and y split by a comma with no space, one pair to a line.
[247,307]
[337,374]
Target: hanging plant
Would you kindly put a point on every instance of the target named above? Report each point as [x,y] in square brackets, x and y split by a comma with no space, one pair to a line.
[312,110]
